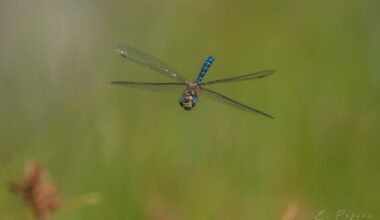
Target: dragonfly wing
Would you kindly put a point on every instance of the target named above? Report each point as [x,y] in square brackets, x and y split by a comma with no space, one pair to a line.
[148,61]
[228,101]
[170,86]
[250,76]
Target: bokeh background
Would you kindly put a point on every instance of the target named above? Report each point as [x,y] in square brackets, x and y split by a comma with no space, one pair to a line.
[147,157]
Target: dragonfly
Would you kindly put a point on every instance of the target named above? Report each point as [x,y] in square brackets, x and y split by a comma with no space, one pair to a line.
[191,90]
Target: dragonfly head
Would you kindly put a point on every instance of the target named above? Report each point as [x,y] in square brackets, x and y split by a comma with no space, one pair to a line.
[189,97]
[187,101]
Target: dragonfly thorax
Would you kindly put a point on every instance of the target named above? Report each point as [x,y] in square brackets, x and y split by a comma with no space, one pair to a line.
[189,97]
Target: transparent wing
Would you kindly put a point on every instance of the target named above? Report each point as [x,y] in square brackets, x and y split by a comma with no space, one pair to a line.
[250,76]
[228,101]
[148,61]
[170,86]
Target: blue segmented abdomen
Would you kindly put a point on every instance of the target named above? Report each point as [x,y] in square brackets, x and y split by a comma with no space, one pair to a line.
[206,65]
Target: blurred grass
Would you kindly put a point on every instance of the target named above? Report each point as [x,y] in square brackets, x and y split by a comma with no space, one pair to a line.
[139,149]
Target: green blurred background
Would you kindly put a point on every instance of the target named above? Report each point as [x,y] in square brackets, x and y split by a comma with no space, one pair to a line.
[147,157]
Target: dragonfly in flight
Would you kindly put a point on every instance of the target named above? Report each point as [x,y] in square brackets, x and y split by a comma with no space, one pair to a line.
[189,97]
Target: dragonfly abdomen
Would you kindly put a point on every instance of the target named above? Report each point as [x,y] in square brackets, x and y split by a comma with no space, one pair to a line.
[206,65]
